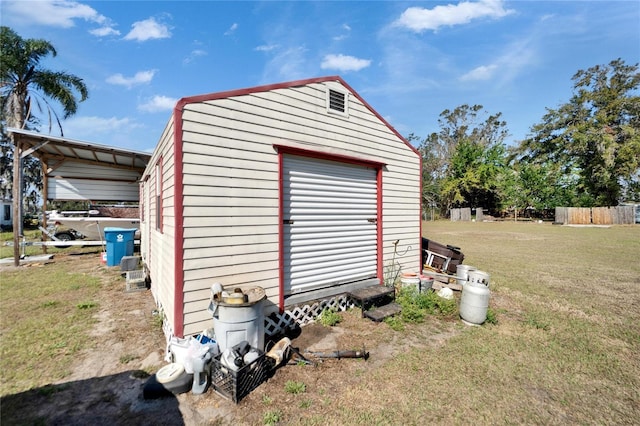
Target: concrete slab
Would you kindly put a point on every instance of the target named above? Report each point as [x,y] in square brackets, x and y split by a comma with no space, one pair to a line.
[27,259]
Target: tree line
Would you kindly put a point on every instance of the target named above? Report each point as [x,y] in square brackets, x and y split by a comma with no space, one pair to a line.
[27,90]
[583,153]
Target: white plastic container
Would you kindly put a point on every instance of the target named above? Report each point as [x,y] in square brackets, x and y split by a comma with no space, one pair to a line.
[235,322]
[409,280]
[200,375]
[474,303]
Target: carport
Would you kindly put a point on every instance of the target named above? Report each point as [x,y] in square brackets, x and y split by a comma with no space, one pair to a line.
[75,170]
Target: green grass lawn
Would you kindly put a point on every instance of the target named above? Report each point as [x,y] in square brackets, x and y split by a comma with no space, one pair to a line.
[33,236]
[46,314]
[565,348]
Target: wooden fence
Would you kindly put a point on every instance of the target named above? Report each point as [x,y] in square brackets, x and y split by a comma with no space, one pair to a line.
[461,215]
[619,215]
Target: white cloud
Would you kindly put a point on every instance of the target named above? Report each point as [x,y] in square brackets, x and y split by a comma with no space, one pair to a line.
[483,72]
[418,19]
[344,63]
[266,47]
[193,55]
[56,13]
[141,77]
[158,103]
[518,56]
[104,31]
[347,29]
[86,128]
[147,30]
[287,64]
[231,29]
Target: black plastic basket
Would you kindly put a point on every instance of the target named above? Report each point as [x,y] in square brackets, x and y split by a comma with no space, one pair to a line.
[235,385]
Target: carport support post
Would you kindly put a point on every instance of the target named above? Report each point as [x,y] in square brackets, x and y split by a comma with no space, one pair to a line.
[17,198]
[45,191]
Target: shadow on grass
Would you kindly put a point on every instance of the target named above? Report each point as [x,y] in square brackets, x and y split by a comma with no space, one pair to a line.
[110,400]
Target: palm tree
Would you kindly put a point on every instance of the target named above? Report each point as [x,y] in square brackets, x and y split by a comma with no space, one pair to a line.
[24,84]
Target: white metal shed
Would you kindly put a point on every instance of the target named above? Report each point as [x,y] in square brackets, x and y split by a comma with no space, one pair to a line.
[300,188]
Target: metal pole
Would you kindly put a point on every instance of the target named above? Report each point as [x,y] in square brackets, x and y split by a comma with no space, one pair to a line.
[17,192]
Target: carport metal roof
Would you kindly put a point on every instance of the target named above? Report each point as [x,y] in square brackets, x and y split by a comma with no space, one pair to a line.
[60,153]
[54,150]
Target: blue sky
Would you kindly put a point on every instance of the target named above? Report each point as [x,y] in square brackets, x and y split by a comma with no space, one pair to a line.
[408,60]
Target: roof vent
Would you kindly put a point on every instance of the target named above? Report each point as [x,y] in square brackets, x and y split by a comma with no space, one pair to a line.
[337,102]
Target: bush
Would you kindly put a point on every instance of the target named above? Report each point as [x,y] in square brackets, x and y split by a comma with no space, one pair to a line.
[329,318]
[415,306]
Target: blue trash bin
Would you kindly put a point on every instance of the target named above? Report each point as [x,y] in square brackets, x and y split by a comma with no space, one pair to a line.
[119,244]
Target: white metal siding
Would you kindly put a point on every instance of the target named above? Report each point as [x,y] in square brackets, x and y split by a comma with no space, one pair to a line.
[67,182]
[157,247]
[230,191]
[329,230]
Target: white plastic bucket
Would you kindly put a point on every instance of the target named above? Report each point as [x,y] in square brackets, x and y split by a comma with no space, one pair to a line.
[462,273]
[426,283]
[410,280]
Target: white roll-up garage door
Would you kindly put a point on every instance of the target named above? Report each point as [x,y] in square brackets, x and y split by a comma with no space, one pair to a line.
[329,230]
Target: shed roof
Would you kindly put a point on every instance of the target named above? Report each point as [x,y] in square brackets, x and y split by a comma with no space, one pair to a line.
[297,83]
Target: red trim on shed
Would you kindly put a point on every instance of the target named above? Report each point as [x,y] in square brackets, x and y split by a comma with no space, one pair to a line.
[280,233]
[420,265]
[283,149]
[380,255]
[178,170]
[178,309]
[297,83]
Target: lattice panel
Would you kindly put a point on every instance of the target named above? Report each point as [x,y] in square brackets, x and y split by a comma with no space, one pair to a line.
[304,314]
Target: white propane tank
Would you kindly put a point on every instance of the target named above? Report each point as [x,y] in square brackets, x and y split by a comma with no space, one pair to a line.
[474,302]
[462,273]
[479,277]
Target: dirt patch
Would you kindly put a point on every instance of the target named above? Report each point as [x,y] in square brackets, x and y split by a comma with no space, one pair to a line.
[106,382]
